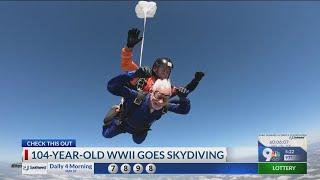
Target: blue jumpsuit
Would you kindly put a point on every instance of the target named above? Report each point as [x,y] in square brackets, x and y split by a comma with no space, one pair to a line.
[141,117]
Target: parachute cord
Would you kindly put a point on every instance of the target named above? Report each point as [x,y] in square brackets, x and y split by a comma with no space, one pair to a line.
[144,29]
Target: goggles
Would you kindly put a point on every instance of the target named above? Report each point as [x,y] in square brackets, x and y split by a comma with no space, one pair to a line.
[157,95]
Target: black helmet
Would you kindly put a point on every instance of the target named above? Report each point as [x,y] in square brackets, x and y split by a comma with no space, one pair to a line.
[162,61]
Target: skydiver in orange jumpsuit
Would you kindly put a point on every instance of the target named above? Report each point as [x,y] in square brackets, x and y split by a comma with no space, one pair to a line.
[161,68]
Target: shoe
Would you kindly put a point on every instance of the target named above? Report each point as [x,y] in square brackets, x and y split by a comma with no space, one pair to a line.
[113,112]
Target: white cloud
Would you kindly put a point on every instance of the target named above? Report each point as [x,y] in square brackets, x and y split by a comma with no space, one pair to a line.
[283,177]
[309,176]
[312,170]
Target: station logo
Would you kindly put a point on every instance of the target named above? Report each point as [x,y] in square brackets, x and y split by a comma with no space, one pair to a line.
[271,155]
[34,168]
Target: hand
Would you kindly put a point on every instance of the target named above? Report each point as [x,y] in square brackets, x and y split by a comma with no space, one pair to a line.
[182,92]
[143,72]
[198,76]
[133,37]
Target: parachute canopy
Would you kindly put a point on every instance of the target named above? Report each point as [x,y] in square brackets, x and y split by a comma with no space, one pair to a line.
[146,9]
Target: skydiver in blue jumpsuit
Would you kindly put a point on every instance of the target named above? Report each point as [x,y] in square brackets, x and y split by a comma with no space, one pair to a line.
[141,110]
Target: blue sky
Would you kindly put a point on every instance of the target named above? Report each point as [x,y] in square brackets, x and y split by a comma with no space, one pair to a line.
[261,59]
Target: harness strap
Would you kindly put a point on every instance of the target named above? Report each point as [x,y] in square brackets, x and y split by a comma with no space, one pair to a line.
[138,100]
[126,113]
[141,83]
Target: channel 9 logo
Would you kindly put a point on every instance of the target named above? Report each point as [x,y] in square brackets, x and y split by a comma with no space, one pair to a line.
[271,155]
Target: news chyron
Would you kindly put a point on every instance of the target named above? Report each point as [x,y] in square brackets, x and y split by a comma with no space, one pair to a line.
[277,154]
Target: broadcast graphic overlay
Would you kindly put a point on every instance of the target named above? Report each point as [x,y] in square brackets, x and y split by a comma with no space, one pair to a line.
[278,154]
[282,154]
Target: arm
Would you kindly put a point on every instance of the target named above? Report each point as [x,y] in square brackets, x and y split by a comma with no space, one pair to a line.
[133,38]
[141,72]
[194,82]
[191,86]
[179,106]
[117,86]
[127,63]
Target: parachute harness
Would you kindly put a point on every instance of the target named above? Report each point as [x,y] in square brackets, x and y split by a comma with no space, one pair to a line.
[141,83]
